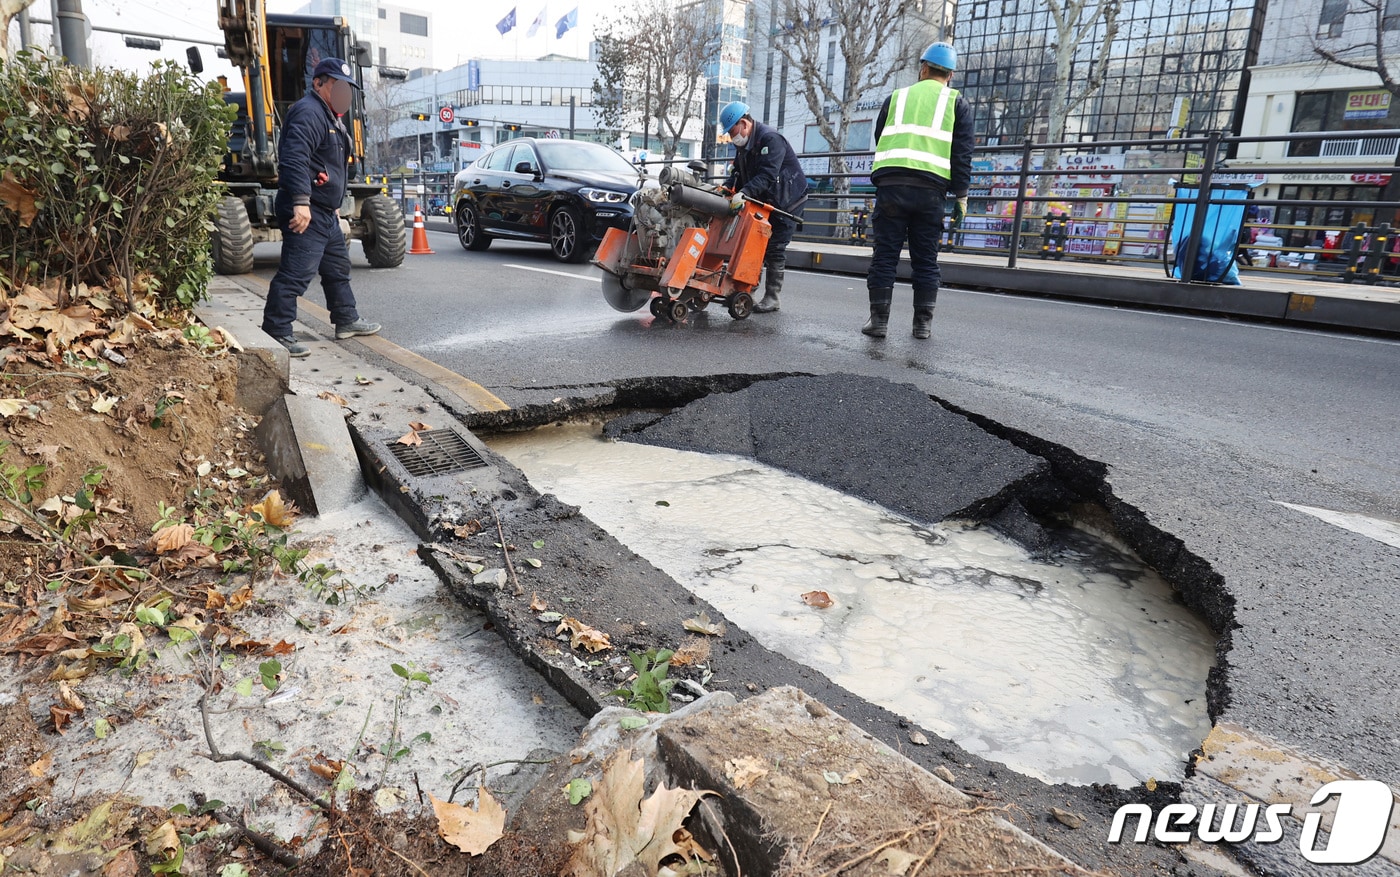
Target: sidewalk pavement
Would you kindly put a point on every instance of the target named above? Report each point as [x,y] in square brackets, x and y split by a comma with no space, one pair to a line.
[310,442]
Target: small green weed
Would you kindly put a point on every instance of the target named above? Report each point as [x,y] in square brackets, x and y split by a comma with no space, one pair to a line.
[648,691]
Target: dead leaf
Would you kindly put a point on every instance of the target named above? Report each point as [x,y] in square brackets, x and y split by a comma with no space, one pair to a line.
[623,827]
[410,439]
[64,327]
[280,648]
[18,198]
[818,599]
[11,407]
[917,738]
[213,599]
[581,634]
[467,530]
[105,403]
[896,861]
[419,427]
[70,698]
[689,847]
[61,717]
[1066,818]
[173,538]
[702,624]
[41,767]
[471,830]
[536,604]
[276,512]
[42,644]
[326,768]
[124,865]
[332,397]
[162,838]
[240,598]
[742,772]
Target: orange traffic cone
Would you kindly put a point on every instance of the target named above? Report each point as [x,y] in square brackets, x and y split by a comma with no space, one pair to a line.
[420,234]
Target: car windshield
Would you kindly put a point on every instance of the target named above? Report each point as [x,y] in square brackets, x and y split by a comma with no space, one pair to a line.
[569,155]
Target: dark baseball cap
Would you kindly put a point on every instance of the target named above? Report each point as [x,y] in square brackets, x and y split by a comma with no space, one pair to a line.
[336,69]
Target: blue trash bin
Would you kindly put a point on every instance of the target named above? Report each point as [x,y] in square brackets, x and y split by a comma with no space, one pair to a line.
[1220,236]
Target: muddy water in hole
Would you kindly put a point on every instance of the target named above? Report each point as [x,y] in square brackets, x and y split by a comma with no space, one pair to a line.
[1080,670]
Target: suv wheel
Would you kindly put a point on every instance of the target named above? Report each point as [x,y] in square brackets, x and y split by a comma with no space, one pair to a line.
[566,236]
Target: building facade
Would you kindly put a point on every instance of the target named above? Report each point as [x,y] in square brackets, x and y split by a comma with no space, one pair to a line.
[495,101]
[401,36]
[1294,91]
[1173,66]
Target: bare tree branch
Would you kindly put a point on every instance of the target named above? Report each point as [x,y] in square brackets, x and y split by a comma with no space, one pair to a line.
[1379,62]
[8,10]
[865,35]
[652,58]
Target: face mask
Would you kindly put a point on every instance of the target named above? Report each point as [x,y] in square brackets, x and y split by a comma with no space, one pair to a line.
[342,94]
[739,140]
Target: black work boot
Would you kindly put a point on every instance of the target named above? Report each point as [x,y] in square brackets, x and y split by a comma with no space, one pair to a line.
[879,320]
[923,321]
[773,271]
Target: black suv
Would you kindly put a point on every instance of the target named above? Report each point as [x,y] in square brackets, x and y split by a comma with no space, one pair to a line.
[566,193]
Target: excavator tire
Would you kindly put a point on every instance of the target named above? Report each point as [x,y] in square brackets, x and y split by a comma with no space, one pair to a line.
[385,239]
[233,237]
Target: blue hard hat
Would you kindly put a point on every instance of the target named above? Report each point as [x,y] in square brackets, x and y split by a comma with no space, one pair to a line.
[731,114]
[942,56]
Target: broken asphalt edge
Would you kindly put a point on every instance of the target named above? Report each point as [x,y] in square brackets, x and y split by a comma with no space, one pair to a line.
[264,362]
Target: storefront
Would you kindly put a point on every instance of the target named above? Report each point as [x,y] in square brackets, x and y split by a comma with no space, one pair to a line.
[1306,225]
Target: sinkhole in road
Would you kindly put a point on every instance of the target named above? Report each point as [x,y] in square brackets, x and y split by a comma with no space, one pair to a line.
[1081,668]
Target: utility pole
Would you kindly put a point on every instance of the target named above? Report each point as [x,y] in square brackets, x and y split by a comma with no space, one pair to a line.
[26,35]
[72,24]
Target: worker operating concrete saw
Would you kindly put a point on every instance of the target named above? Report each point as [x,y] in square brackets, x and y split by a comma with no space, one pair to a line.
[691,243]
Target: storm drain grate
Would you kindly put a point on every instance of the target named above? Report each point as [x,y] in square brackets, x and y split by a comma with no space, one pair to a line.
[442,452]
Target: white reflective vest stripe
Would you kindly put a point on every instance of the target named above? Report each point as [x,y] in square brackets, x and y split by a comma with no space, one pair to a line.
[918,132]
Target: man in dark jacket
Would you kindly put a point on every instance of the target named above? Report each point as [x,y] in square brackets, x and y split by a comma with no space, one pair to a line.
[923,153]
[312,162]
[765,169]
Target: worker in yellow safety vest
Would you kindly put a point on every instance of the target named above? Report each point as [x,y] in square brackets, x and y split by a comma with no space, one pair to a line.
[923,154]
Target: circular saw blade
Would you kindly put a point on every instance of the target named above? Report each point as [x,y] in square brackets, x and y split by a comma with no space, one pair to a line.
[621,296]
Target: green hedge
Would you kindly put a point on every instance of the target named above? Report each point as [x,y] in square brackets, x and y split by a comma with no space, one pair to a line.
[108,177]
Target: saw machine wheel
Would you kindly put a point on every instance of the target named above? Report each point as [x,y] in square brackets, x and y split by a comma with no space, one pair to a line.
[678,311]
[740,305]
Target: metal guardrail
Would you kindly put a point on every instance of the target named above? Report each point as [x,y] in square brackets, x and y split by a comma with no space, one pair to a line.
[1124,226]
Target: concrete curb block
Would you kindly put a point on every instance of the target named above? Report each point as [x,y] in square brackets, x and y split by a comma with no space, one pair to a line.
[308,448]
[1352,310]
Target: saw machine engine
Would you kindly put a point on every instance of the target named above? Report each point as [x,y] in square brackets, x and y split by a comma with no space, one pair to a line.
[685,249]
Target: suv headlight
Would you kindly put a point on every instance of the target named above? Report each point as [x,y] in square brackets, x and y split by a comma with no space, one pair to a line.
[603,196]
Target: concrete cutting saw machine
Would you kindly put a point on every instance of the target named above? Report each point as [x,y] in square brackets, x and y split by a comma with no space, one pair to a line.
[685,249]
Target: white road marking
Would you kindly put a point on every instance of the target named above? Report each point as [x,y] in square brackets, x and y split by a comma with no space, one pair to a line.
[1372,528]
[587,277]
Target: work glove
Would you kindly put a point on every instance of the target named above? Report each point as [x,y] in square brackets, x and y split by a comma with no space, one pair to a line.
[959,210]
[736,203]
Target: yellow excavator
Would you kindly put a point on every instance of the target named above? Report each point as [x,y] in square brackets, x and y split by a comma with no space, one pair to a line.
[277,54]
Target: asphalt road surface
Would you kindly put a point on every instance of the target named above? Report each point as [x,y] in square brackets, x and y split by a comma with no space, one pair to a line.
[1205,425]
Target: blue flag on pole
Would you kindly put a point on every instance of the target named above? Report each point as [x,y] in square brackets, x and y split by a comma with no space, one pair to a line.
[570,20]
[536,24]
[505,24]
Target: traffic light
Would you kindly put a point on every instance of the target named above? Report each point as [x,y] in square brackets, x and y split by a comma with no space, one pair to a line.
[511,127]
[422,117]
[143,43]
[470,123]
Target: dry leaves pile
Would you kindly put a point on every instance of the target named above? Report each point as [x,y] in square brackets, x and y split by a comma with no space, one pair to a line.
[626,825]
